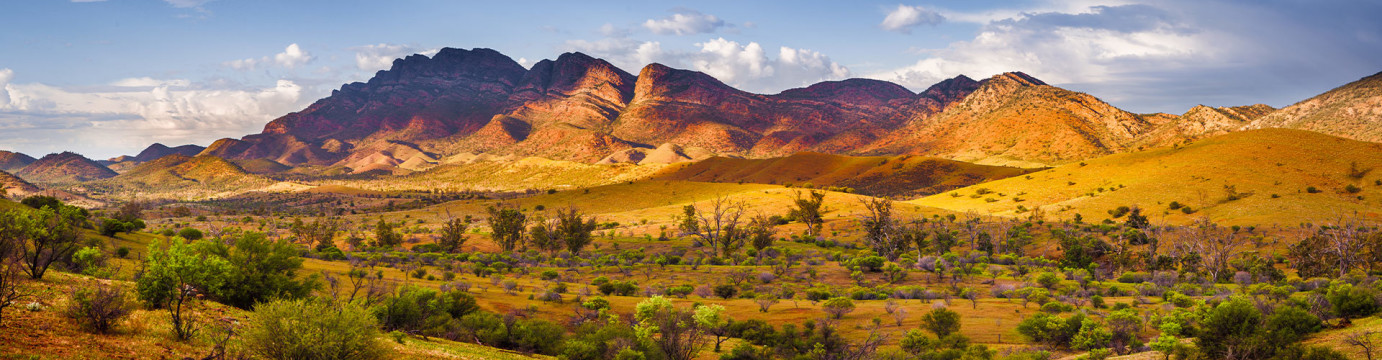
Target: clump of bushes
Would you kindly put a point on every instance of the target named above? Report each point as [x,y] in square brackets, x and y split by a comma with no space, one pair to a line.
[312,329]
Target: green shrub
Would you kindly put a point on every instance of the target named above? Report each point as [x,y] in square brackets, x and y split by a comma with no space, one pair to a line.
[312,329]
[1352,301]
[838,307]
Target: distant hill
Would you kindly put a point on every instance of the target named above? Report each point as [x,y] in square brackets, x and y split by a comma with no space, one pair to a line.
[12,161]
[180,177]
[158,150]
[1351,111]
[64,168]
[896,176]
[1200,122]
[1270,172]
[1015,118]
[16,187]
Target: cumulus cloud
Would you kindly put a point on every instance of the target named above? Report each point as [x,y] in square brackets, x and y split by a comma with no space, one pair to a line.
[1064,48]
[381,56]
[5,76]
[684,22]
[291,57]
[135,112]
[905,17]
[749,66]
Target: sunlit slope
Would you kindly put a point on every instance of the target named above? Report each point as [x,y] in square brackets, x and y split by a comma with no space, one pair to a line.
[872,175]
[1271,171]
[658,202]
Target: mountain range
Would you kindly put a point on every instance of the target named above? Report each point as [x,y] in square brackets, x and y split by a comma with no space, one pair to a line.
[578,108]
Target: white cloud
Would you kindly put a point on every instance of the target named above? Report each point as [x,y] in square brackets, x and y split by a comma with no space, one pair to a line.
[135,112]
[1095,46]
[381,56]
[6,75]
[291,57]
[904,18]
[749,66]
[149,82]
[684,22]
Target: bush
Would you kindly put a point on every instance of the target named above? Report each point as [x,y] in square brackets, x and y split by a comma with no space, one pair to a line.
[838,307]
[98,308]
[726,291]
[190,234]
[941,322]
[312,329]
[1352,301]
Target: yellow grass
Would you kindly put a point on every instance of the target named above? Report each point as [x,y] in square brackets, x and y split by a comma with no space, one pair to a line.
[1261,163]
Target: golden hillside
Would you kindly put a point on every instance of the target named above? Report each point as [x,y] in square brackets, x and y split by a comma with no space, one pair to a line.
[872,175]
[1271,173]
[1352,111]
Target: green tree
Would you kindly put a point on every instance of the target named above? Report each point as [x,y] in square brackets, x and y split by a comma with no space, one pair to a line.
[675,331]
[385,235]
[42,237]
[575,229]
[837,307]
[507,226]
[174,274]
[190,234]
[941,322]
[453,234]
[1234,326]
[881,231]
[808,211]
[260,269]
[761,232]
[1092,336]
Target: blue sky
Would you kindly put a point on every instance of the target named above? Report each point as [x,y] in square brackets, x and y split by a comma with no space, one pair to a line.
[105,78]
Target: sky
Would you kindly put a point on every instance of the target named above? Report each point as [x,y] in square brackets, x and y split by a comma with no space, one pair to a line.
[108,78]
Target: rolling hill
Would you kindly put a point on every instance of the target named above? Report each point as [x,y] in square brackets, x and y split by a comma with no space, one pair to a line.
[180,177]
[64,168]
[12,161]
[1272,176]
[896,176]
[16,187]
[1351,111]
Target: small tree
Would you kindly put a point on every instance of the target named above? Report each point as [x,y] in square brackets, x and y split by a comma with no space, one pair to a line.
[941,322]
[320,233]
[42,237]
[719,226]
[837,307]
[765,301]
[174,275]
[881,231]
[715,322]
[453,234]
[506,226]
[808,211]
[761,232]
[575,229]
[1362,339]
[385,235]
[10,293]
[678,334]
